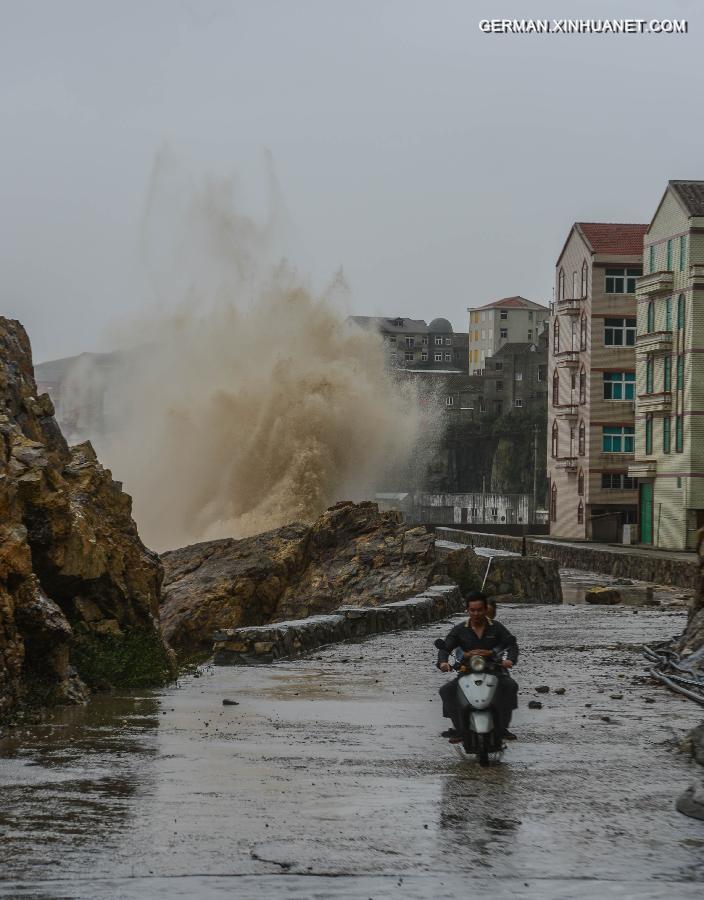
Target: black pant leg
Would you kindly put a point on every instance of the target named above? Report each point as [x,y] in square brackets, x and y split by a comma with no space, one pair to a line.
[450,708]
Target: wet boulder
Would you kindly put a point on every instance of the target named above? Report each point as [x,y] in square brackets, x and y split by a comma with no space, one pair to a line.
[353,556]
[603,596]
[691,802]
[79,592]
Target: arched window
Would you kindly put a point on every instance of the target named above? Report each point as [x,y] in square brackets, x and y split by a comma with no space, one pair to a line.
[649,374]
[583,332]
[584,279]
[649,434]
[582,440]
[680,311]
[561,285]
[555,388]
[580,483]
[554,442]
[580,513]
[582,385]
[553,503]
[556,336]
[651,318]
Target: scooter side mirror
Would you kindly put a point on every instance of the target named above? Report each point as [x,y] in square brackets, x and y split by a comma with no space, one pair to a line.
[440,644]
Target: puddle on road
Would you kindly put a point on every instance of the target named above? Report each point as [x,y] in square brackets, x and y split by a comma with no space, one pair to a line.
[633,593]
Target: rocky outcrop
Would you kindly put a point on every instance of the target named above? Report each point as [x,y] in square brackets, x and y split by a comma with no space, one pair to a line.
[79,592]
[353,555]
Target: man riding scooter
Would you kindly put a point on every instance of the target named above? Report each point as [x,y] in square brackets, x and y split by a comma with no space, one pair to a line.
[480,636]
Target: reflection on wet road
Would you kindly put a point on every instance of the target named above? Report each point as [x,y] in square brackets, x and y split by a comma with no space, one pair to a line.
[328,779]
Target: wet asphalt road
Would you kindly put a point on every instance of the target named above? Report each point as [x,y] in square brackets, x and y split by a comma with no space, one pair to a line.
[328,779]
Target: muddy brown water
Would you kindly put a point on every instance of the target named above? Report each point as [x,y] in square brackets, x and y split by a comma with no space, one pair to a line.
[328,779]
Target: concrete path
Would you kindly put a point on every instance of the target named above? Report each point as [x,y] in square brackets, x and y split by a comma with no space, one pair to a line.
[328,779]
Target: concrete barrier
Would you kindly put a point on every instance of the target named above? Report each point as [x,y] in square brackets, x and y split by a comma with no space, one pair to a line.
[286,640]
[658,568]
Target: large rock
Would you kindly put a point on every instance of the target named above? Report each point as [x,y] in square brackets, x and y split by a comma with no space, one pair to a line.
[79,592]
[602,596]
[353,555]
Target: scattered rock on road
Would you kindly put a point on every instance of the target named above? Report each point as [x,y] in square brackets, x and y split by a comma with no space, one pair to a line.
[535,704]
[691,802]
[604,596]
[543,689]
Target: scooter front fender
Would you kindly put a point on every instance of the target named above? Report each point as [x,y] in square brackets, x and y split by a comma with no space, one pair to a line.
[481,721]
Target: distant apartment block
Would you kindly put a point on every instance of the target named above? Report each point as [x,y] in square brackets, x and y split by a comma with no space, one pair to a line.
[669,440]
[592,382]
[511,320]
[411,343]
[516,378]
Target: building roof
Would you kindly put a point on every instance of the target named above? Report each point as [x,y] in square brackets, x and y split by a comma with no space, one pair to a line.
[612,237]
[517,347]
[512,303]
[690,194]
[399,324]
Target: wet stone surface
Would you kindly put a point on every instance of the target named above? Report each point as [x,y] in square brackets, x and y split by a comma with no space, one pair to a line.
[328,779]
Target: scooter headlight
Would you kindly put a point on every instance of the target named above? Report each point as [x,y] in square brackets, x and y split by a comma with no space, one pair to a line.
[477,664]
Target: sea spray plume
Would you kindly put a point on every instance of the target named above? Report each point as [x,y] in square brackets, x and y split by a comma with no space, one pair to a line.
[253,403]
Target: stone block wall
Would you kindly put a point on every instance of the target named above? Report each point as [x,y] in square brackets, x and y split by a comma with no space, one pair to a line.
[656,568]
[285,640]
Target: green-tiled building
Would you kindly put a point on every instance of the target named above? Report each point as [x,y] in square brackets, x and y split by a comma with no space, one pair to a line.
[669,461]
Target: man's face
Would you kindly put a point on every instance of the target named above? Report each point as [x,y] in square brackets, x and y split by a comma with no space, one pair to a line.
[476,610]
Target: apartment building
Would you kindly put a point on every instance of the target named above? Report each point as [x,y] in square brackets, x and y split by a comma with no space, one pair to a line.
[669,460]
[411,343]
[592,377]
[511,320]
[516,378]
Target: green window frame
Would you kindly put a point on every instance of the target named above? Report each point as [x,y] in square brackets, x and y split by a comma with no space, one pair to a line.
[667,373]
[619,385]
[668,314]
[651,258]
[680,372]
[679,434]
[683,251]
[669,255]
[650,325]
[666,427]
[649,367]
[618,439]
[680,311]
[648,434]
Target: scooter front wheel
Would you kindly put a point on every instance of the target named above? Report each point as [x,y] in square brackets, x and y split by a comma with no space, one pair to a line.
[483,753]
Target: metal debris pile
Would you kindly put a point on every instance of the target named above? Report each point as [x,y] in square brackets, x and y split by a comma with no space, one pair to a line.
[684,674]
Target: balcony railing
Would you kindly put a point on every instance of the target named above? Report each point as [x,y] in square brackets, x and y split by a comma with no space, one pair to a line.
[643,468]
[655,402]
[566,463]
[569,307]
[654,342]
[566,411]
[696,272]
[655,283]
[567,358]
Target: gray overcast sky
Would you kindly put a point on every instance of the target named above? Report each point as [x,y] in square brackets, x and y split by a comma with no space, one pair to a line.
[439,166]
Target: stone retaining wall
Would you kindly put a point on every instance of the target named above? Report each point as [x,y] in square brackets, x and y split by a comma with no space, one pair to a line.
[285,640]
[656,568]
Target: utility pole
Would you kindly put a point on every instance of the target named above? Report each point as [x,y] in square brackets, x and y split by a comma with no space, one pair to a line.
[535,470]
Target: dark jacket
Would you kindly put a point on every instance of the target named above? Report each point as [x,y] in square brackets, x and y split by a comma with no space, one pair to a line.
[496,637]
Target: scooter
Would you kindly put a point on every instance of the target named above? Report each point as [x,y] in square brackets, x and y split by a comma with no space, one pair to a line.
[478,681]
